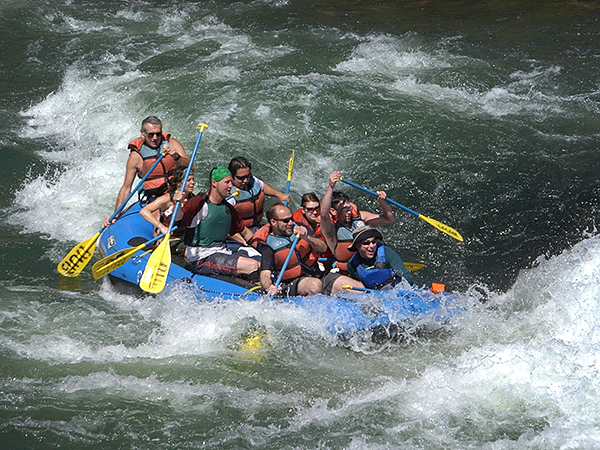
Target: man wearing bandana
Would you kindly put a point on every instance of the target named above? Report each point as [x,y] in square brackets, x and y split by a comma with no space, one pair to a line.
[209,220]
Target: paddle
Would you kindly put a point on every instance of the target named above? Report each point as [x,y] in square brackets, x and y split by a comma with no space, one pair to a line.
[355,288]
[413,267]
[440,226]
[289,177]
[80,256]
[155,275]
[117,259]
[287,260]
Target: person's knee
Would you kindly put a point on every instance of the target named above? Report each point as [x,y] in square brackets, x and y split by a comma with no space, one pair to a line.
[247,265]
[310,286]
[344,280]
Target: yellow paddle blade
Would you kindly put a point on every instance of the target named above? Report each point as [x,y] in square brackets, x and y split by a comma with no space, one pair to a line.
[154,277]
[413,267]
[114,261]
[291,166]
[252,341]
[77,259]
[444,228]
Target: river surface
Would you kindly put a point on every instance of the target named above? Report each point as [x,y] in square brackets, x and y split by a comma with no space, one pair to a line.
[483,115]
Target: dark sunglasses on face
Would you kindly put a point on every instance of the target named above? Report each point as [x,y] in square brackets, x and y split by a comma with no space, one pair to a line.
[243,177]
[311,210]
[367,243]
[285,220]
[151,135]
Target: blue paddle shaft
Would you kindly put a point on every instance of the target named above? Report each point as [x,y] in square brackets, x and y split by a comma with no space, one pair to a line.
[287,260]
[187,174]
[133,191]
[154,239]
[287,191]
[368,191]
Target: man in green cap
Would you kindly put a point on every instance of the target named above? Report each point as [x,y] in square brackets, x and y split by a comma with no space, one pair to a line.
[209,219]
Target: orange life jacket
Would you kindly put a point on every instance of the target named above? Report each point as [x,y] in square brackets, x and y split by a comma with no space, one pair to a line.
[158,182]
[260,235]
[344,240]
[299,217]
[250,203]
[302,258]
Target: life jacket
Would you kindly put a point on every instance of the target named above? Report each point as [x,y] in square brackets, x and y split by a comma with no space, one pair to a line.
[213,229]
[161,178]
[261,235]
[303,260]
[355,213]
[344,240]
[250,203]
[299,217]
[380,274]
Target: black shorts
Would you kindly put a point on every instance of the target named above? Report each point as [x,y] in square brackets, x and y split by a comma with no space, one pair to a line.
[291,289]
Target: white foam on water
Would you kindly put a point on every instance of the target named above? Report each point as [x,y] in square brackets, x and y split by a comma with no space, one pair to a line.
[402,65]
[528,363]
[176,323]
[85,125]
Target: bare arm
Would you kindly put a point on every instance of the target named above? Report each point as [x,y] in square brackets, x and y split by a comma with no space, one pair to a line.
[385,218]
[151,212]
[247,234]
[175,147]
[266,272]
[265,279]
[270,190]
[267,284]
[316,244]
[134,165]
[327,227]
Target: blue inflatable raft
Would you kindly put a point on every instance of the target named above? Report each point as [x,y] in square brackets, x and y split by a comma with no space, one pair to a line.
[382,313]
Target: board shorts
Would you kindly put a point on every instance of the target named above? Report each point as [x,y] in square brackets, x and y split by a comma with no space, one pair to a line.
[291,289]
[218,264]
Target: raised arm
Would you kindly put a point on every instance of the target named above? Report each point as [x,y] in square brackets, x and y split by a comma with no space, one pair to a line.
[386,216]
[327,226]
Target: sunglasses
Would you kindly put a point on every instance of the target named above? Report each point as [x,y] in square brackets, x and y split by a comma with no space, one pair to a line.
[151,135]
[243,177]
[286,220]
[367,243]
[311,210]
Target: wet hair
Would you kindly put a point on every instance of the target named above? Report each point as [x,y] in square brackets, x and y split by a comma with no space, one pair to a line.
[239,163]
[338,197]
[271,211]
[178,177]
[152,120]
[309,197]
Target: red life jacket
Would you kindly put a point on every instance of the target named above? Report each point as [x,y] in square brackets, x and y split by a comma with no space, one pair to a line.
[162,176]
[299,217]
[260,236]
